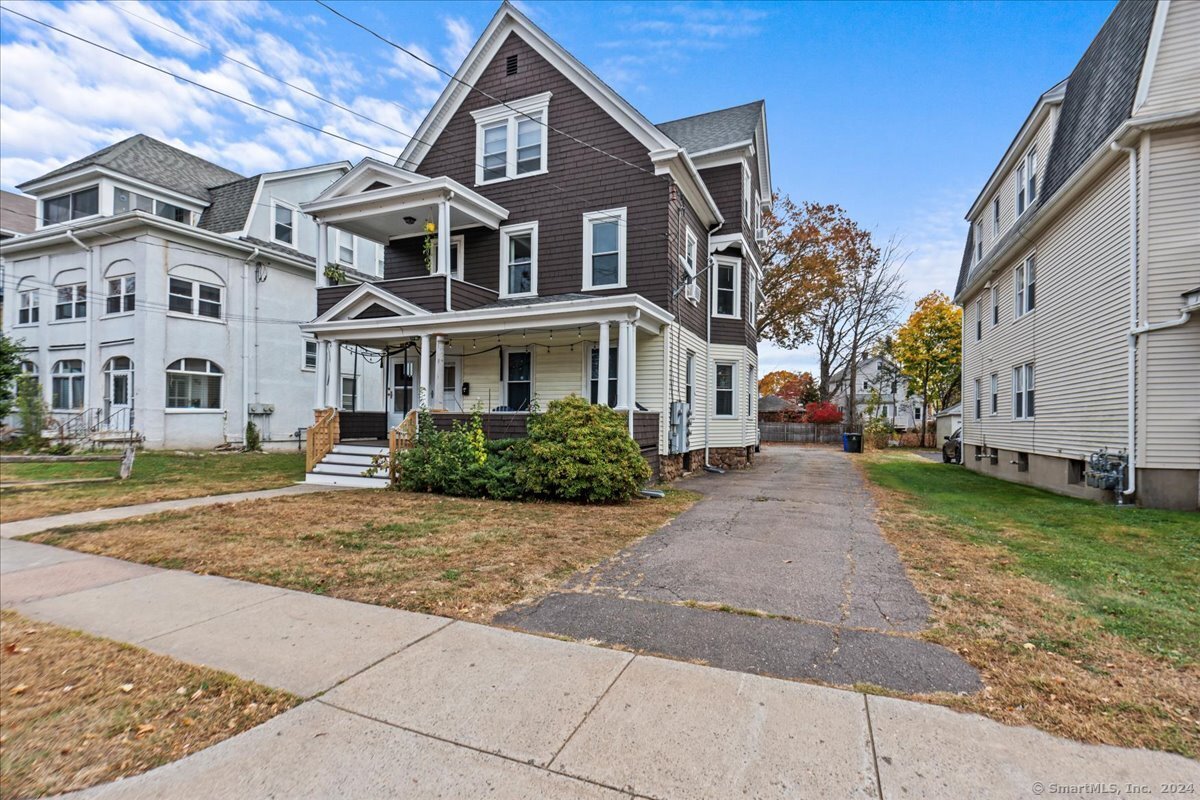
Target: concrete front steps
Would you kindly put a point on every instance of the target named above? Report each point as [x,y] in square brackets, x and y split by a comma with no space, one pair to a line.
[346,465]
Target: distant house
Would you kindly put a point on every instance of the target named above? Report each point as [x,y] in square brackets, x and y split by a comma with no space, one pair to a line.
[1080,279]
[18,215]
[880,375]
[948,421]
[773,408]
[158,298]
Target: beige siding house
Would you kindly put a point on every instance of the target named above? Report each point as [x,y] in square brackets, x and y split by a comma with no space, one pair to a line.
[1080,279]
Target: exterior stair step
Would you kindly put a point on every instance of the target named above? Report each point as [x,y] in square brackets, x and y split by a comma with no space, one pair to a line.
[326,479]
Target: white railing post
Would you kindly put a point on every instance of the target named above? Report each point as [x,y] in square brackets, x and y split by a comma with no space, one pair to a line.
[602,367]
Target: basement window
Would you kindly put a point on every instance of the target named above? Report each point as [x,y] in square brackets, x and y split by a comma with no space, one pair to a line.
[1075,467]
[1022,462]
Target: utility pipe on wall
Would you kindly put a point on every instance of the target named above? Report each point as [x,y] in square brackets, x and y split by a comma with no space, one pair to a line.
[246,340]
[1131,357]
[91,358]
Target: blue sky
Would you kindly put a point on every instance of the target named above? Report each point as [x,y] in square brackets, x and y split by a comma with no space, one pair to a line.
[897,111]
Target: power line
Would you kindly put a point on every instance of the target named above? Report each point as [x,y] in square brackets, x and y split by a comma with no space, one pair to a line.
[197,84]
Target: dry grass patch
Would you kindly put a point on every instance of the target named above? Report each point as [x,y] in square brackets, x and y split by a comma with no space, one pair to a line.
[156,476]
[76,710]
[1047,659]
[441,555]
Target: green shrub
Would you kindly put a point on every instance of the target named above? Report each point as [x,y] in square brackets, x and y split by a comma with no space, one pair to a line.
[32,411]
[253,438]
[581,452]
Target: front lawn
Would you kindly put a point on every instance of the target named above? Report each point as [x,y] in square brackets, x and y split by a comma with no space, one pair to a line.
[455,557]
[78,710]
[1083,618]
[156,476]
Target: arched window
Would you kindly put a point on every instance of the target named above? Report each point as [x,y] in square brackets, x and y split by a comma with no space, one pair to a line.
[194,383]
[28,300]
[29,371]
[70,299]
[195,291]
[120,285]
[67,385]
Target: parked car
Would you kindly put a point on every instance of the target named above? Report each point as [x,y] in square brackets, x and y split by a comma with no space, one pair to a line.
[952,448]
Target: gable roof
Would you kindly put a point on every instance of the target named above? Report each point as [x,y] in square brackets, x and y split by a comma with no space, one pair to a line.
[715,129]
[1098,98]
[231,204]
[152,161]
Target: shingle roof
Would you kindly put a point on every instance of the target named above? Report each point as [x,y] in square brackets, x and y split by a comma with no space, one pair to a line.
[715,128]
[230,205]
[278,248]
[155,162]
[964,269]
[1099,97]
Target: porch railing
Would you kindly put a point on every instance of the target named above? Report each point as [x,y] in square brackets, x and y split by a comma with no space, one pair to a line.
[321,437]
[401,437]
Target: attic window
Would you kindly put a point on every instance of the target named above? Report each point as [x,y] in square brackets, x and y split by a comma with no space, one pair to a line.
[510,139]
[510,65]
[377,185]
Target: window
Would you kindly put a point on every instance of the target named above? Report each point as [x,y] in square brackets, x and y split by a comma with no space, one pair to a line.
[691,286]
[29,371]
[726,279]
[758,214]
[510,139]
[194,383]
[310,354]
[518,379]
[1023,283]
[125,200]
[64,208]
[518,260]
[457,255]
[349,393]
[120,294]
[724,390]
[118,382]
[27,307]
[994,391]
[594,383]
[978,242]
[1023,391]
[1027,181]
[193,297]
[752,290]
[283,225]
[995,306]
[747,196]
[978,400]
[71,302]
[996,217]
[604,249]
[345,248]
[690,382]
[67,385]
[979,319]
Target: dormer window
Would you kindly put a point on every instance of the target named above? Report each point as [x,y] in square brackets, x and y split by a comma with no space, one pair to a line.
[76,205]
[1027,181]
[978,242]
[996,217]
[511,139]
[283,224]
[125,201]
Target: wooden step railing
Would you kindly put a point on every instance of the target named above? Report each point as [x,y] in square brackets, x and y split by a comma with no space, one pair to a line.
[322,436]
[400,438]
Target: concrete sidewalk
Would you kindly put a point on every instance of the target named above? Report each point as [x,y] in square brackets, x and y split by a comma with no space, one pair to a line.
[24,527]
[417,706]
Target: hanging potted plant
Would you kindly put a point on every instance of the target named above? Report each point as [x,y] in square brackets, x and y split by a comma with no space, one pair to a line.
[427,247]
[334,274]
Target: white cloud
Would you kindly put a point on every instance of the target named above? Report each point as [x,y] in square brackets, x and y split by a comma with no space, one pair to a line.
[461,40]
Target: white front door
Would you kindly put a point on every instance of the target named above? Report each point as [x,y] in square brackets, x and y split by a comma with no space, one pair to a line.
[118,393]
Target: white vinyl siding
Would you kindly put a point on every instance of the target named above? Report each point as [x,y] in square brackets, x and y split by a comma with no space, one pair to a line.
[1175,82]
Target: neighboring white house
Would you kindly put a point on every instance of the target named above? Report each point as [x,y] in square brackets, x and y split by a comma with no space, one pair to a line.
[162,294]
[948,421]
[882,375]
[1080,280]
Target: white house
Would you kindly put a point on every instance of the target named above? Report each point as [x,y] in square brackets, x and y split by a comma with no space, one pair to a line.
[160,295]
[882,375]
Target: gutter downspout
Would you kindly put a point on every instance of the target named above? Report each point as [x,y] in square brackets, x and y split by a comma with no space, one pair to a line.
[246,342]
[90,363]
[1131,358]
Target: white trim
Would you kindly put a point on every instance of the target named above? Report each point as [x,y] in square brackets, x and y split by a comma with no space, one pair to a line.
[736,263]
[362,298]
[459,262]
[276,204]
[1026,369]
[590,218]
[511,114]
[337,246]
[424,192]
[506,233]
[733,388]
[1151,57]
[504,381]
[304,343]
[363,174]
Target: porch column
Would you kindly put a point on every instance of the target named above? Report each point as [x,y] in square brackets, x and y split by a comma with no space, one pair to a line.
[319,377]
[439,372]
[423,367]
[334,383]
[623,366]
[632,367]
[322,252]
[602,371]
[443,234]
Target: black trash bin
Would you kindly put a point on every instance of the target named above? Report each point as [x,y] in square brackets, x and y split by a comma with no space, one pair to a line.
[853,442]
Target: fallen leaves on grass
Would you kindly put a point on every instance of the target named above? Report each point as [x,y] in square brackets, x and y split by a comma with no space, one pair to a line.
[72,716]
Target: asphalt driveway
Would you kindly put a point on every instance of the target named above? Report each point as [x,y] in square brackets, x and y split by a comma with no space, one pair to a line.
[792,539]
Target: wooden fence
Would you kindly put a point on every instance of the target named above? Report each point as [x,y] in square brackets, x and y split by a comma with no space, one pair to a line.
[802,432]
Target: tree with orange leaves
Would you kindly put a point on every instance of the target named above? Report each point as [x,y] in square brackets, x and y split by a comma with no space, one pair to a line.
[928,348]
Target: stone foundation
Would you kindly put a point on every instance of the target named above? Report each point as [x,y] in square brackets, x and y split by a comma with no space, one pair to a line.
[729,457]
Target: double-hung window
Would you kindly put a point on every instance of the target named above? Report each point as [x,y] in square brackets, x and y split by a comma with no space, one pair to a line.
[1027,181]
[994,392]
[457,255]
[978,242]
[978,399]
[604,249]
[349,393]
[195,298]
[71,302]
[76,205]
[121,293]
[125,201]
[27,307]
[996,217]
[345,248]
[1023,387]
[511,139]
[979,319]
[310,354]
[194,383]
[1024,282]
[283,224]
[690,247]
[689,382]
[609,396]
[726,287]
[724,390]
[518,260]
[995,306]
[747,194]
